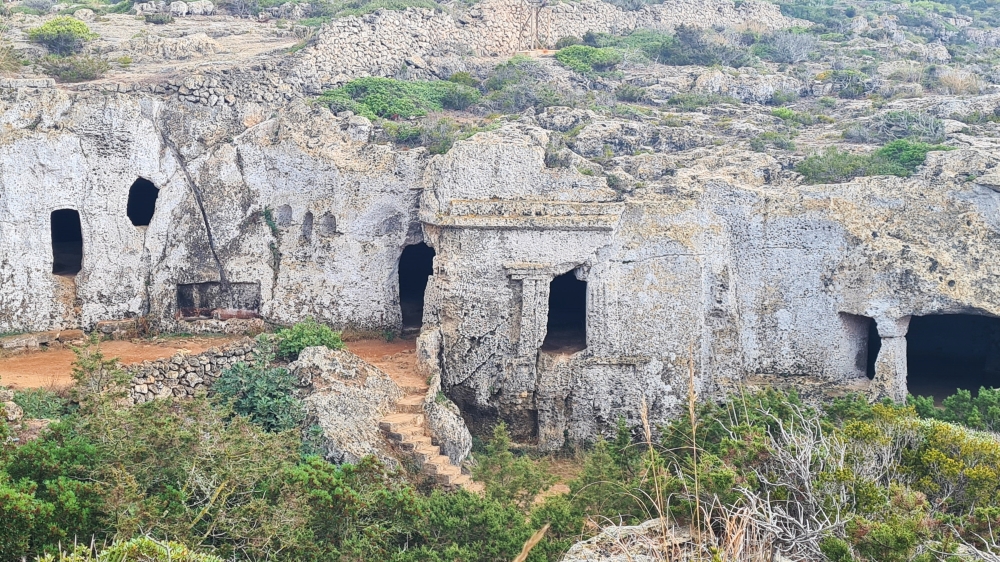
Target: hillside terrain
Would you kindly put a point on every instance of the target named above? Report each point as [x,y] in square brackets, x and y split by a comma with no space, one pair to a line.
[580,280]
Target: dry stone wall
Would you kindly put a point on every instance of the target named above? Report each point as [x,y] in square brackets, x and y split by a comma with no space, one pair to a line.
[185,375]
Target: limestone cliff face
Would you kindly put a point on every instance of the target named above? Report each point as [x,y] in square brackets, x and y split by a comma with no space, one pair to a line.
[340,210]
[726,270]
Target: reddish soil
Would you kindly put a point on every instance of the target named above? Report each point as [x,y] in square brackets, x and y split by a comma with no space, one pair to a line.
[53,368]
[397,358]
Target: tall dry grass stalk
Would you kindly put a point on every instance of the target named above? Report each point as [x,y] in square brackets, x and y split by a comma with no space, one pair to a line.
[531,543]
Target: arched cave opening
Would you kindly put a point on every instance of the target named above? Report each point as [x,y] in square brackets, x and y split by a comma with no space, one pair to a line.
[566,330]
[67,242]
[874,345]
[142,202]
[945,352]
[415,266]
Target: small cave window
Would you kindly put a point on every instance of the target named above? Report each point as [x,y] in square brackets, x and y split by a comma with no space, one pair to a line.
[67,242]
[416,265]
[566,330]
[142,202]
[946,352]
[307,226]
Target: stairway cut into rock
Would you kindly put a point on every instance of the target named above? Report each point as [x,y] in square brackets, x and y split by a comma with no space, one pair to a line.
[407,427]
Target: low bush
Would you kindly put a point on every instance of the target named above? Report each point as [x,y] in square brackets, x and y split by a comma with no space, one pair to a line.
[587,60]
[692,102]
[62,36]
[898,158]
[261,392]
[76,68]
[802,118]
[41,6]
[790,47]
[567,41]
[893,125]
[771,138]
[159,19]
[146,549]
[309,333]
[39,403]
[630,93]
[390,98]
[518,84]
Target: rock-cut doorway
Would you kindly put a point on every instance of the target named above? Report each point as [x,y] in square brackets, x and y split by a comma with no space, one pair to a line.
[67,242]
[416,265]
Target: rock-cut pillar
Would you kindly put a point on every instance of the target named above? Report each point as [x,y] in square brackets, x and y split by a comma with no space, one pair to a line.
[890,366]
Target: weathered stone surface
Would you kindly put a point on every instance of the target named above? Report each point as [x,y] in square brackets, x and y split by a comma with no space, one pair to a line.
[347,397]
[12,412]
[646,542]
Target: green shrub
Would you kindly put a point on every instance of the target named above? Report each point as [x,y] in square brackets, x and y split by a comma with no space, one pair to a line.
[893,125]
[62,36]
[567,41]
[630,93]
[390,98]
[309,333]
[586,60]
[691,102]
[898,158]
[518,84]
[464,78]
[509,479]
[39,403]
[145,549]
[76,68]
[159,19]
[262,393]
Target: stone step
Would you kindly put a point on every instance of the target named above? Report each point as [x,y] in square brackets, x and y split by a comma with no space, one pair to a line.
[448,476]
[436,465]
[414,442]
[405,433]
[392,423]
[424,453]
[413,404]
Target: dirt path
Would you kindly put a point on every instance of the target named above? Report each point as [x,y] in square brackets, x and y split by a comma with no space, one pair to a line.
[53,368]
[397,358]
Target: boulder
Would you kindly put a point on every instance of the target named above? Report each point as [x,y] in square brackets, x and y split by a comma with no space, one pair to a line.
[201,8]
[347,397]
[637,543]
[84,15]
[12,412]
[178,8]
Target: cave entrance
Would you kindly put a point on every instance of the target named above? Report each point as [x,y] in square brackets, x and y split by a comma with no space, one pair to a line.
[566,330]
[142,202]
[950,351]
[67,242]
[416,264]
[874,345]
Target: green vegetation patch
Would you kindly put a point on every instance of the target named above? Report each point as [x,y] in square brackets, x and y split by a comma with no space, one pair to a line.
[63,35]
[309,333]
[898,158]
[588,60]
[390,98]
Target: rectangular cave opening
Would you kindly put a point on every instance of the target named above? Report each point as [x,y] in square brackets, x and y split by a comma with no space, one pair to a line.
[416,265]
[946,352]
[874,345]
[566,329]
[217,300]
[67,242]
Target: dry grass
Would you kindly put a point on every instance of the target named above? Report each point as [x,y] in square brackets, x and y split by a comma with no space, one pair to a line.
[958,82]
[9,63]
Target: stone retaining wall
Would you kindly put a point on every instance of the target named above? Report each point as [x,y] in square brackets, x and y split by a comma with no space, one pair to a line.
[185,375]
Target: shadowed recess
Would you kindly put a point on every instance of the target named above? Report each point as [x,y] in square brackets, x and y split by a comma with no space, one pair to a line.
[67,242]
[951,351]
[566,331]
[415,266]
[142,202]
